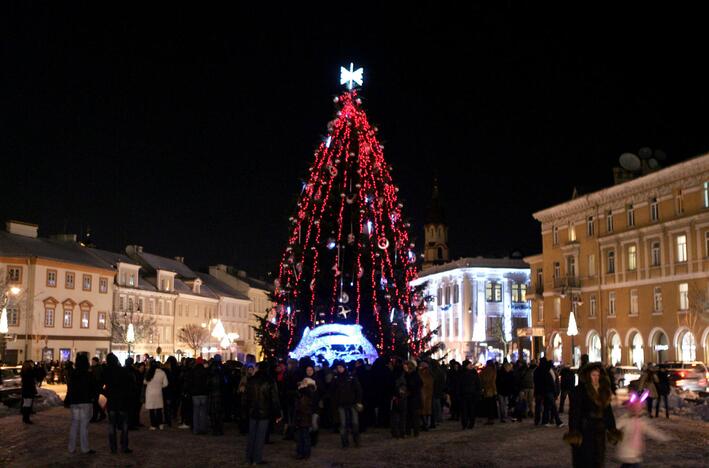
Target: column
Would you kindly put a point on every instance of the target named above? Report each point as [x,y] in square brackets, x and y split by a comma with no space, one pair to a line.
[466,308]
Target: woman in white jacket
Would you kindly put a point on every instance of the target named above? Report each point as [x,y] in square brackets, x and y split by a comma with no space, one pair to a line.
[155,381]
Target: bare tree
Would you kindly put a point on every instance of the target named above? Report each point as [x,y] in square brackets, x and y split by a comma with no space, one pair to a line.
[697,310]
[496,330]
[143,327]
[194,336]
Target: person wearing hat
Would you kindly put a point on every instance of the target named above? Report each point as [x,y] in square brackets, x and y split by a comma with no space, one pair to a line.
[303,416]
[347,398]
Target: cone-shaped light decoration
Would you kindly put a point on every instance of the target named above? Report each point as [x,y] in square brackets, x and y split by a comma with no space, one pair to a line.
[218,331]
[572,330]
[130,335]
[225,342]
[3,321]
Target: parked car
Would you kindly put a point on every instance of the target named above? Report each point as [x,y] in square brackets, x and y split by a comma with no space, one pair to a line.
[625,375]
[692,376]
[10,383]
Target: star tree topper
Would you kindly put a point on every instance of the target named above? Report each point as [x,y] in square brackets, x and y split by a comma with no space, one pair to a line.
[351,76]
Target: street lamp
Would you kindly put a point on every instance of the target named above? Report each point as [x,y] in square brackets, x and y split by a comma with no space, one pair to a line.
[572,331]
[130,336]
[14,291]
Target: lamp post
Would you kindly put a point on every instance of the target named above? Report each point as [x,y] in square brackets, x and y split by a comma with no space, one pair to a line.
[572,331]
[11,291]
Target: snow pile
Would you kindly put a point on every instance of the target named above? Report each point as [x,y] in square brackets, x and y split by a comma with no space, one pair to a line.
[47,398]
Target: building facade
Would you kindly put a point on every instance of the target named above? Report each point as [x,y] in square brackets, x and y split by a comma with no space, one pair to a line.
[632,262]
[435,250]
[477,305]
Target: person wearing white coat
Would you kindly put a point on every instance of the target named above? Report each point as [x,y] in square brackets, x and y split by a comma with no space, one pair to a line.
[635,428]
[155,381]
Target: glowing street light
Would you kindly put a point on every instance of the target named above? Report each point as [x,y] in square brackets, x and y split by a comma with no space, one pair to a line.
[572,330]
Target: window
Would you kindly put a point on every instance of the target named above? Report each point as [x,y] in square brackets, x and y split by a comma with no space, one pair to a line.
[540,312]
[555,235]
[592,265]
[103,285]
[52,278]
[448,295]
[439,298]
[611,262]
[519,292]
[557,270]
[571,266]
[654,210]
[609,221]
[68,318]
[631,215]
[589,226]
[657,300]
[655,254]
[706,243]
[632,257]
[13,316]
[168,308]
[679,202]
[151,306]
[86,283]
[557,307]
[682,248]
[592,306]
[49,317]
[572,232]
[141,304]
[683,296]
[493,291]
[633,302]
[706,194]
[69,280]
[85,318]
[122,303]
[540,278]
[160,306]
[14,274]
[611,304]
[130,304]
[456,294]
[101,321]
[131,279]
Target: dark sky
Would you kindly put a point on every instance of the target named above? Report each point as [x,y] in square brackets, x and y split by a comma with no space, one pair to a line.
[188,131]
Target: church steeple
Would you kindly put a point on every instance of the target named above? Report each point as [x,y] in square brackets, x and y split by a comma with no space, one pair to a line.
[435,231]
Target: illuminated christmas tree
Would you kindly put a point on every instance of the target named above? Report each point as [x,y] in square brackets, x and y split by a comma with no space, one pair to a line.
[349,258]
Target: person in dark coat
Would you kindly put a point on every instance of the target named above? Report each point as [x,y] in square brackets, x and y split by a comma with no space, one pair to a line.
[452,389]
[347,398]
[81,395]
[567,382]
[263,404]
[135,398]
[414,399]
[99,414]
[663,390]
[591,419]
[185,397]
[439,387]
[119,386]
[399,399]
[382,384]
[505,387]
[171,393]
[29,390]
[304,410]
[215,395]
[198,389]
[541,374]
[469,389]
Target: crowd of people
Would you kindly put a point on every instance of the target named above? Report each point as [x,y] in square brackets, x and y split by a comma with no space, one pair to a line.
[297,399]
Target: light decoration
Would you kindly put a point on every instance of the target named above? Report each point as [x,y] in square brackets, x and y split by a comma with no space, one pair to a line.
[218,332]
[350,200]
[3,321]
[572,329]
[351,76]
[225,342]
[130,334]
[335,341]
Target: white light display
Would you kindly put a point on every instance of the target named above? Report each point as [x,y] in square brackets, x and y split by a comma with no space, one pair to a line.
[130,334]
[335,341]
[351,76]
[3,322]
[573,329]
[218,331]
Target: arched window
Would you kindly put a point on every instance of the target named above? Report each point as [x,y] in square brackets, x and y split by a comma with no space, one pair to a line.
[636,351]
[594,348]
[615,349]
[687,347]
[557,346]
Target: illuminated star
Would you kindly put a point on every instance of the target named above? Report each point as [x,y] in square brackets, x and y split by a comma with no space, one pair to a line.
[351,76]
[343,311]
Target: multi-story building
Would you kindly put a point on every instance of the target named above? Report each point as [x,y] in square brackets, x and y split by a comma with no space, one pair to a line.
[66,296]
[632,262]
[477,305]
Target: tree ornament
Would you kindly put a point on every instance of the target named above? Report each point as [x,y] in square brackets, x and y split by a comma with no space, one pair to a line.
[337,270]
[350,238]
[336,99]
[383,243]
[343,311]
[299,267]
[332,170]
[360,272]
[344,297]
[312,284]
[342,195]
[350,199]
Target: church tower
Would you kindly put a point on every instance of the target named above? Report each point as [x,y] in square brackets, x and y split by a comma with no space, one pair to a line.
[435,232]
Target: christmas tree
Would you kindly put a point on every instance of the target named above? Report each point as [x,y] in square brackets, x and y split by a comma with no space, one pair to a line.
[349,259]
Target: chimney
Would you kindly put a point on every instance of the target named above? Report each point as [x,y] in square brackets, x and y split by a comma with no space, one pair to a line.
[63,237]
[22,229]
[180,259]
[134,249]
[241,274]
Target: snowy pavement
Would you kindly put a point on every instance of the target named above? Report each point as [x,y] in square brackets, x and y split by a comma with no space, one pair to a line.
[500,445]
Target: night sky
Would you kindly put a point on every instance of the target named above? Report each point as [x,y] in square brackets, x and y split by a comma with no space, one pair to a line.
[189,131]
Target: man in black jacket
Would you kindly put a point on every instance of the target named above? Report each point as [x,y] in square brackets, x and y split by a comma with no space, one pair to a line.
[262,405]
[197,385]
[118,386]
[469,392]
[347,398]
[567,383]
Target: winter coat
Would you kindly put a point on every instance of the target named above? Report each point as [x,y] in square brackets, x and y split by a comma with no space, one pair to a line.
[262,397]
[215,389]
[567,379]
[29,384]
[647,381]
[488,381]
[81,388]
[663,383]
[541,379]
[439,381]
[197,381]
[346,390]
[119,386]
[153,390]
[305,406]
[426,391]
[632,445]
[414,385]
[527,378]
[590,421]
[469,384]
[505,383]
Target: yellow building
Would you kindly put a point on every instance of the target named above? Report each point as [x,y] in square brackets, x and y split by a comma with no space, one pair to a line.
[632,262]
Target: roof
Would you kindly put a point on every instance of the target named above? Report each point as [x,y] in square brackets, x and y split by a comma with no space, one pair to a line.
[13,245]
[220,288]
[112,258]
[204,290]
[156,262]
[476,262]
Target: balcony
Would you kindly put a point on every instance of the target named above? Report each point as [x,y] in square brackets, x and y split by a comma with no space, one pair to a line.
[567,284]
